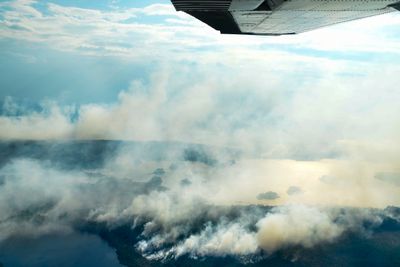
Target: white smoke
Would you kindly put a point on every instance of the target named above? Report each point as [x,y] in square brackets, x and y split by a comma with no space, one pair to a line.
[296,225]
[283,227]
[177,220]
[274,155]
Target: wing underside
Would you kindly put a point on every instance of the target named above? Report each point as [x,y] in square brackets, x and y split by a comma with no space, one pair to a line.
[277,17]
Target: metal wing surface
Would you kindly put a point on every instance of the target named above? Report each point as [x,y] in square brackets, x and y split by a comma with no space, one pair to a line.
[277,17]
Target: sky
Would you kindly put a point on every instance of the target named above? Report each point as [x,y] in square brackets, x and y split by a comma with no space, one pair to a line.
[323,102]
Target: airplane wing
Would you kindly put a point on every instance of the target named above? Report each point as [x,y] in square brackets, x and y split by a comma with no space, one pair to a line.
[279,17]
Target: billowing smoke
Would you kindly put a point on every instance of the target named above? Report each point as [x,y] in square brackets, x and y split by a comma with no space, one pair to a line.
[232,148]
[298,225]
[256,231]
[194,177]
[175,205]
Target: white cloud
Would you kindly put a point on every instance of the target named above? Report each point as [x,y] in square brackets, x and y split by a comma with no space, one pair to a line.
[73,28]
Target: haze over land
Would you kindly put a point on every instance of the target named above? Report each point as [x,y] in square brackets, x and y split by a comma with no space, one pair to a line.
[175,145]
